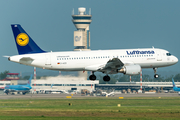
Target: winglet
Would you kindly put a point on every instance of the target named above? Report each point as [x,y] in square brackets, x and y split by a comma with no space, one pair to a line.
[24,43]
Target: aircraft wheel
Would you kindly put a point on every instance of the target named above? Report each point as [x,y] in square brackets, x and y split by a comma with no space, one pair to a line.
[92,77]
[106,78]
[156,76]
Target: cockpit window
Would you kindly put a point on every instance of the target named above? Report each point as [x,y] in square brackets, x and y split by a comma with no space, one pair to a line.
[168,54]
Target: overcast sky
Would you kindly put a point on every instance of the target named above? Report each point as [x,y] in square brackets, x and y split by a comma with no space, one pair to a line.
[116,24]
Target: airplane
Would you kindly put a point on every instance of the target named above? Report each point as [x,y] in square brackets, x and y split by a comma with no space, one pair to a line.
[107,94]
[18,88]
[175,88]
[126,61]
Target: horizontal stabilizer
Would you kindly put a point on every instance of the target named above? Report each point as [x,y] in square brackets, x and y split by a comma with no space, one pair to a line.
[26,59]
[6,56]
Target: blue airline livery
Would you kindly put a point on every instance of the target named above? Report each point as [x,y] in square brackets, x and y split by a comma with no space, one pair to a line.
[126,61]
[174,86]
[19,88]
[140,52]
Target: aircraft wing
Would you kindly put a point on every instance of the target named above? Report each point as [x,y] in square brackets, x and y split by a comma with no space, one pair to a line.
[112,65]
[12,90]
[26,87]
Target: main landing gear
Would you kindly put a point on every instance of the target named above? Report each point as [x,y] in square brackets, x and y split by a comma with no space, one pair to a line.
[155,75]
[92,77]
[105,78]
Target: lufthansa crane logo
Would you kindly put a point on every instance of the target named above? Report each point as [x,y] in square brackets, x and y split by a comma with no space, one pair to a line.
[22,39]
[77,38]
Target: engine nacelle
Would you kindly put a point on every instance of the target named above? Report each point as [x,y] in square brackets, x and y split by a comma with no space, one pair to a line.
[130,70]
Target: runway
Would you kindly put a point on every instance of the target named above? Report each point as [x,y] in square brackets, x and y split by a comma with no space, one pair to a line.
[63,96]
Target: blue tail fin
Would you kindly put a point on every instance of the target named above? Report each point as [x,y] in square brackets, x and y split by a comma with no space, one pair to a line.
[173,83]
[24,43]
[29,82]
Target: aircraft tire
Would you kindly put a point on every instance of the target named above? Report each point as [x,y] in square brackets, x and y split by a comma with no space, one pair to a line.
[92,77]
[156,76]
[106,78]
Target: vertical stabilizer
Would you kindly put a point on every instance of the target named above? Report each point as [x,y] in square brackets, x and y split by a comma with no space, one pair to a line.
[24,43]
[174,86]
[29,82]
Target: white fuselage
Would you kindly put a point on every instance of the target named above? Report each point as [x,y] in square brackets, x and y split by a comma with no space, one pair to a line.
[80,60]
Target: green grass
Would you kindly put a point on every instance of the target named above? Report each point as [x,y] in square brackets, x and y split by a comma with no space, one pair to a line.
[91,108]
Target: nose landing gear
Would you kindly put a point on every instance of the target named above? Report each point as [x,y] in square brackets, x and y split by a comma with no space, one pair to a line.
[155,75]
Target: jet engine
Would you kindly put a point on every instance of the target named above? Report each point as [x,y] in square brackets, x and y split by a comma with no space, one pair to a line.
[130,70]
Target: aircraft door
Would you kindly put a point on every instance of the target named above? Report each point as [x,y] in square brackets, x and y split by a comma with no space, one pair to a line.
[48,60]
[159,57]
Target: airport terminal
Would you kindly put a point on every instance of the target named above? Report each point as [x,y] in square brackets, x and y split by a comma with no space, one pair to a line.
[72,84]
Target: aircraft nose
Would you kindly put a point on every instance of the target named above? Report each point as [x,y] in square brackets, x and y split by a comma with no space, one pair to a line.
[175,59]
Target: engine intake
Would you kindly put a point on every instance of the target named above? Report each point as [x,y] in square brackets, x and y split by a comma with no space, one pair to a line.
[130,70]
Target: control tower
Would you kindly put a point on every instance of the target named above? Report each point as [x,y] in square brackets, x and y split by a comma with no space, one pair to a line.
[82,34]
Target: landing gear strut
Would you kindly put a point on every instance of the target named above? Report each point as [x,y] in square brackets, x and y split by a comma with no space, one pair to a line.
[155,75]
[92,77]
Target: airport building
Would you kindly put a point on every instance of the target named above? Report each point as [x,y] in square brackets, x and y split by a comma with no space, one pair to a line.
[77,84]
[54,84]
[135,86]
[63,83]
[3,84]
